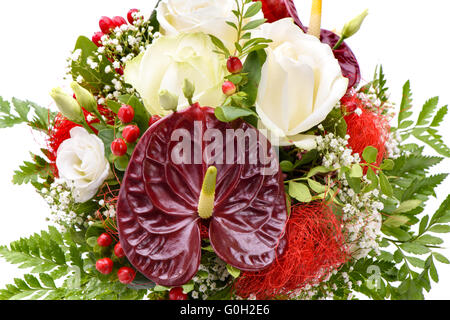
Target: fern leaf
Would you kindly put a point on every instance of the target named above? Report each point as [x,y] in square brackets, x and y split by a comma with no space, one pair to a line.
[406,103]
[440,115]
[427,111]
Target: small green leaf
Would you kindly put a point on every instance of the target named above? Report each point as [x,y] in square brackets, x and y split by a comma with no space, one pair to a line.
[396,221]
[316,186]
[407,206]
[423,224]
[356,171]
[386,187]
[234,272]
[254,24]
[286,166]
[229,113]
[317,170]
[387,165]
[188,287]
[433,272]
[219,44]
[440,228]
[414,248]
[121,163]
[428,239]
[370,154]
[416,262]
[299,191]
[253,10]
[439,257]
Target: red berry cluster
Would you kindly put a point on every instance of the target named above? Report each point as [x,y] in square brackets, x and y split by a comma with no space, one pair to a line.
[130,133]
[105,266]
[234,66]
[107,25]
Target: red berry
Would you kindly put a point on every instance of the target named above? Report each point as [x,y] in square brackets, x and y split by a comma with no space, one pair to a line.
[234,65]
[228,88]
[153,119]
[118,251]
[97,38]
[104,240]
[106,25]
[104,265]
[126,275]
[177,294]
[119,21]
[119,147]
[126,113]
[131,133]
[130,15]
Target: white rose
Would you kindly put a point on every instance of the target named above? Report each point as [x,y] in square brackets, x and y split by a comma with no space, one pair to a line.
[170,60]
[301,82]
[207,16]
[82,164]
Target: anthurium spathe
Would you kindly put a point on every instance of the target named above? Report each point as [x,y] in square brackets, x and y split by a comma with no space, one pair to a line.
[163,200]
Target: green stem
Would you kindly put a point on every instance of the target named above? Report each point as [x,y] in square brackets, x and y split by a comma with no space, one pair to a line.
[338,44]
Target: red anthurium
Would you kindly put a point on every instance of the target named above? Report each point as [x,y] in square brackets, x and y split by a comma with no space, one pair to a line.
[275,10]
[163,199]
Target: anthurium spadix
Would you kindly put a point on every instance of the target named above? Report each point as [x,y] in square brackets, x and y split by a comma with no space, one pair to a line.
[163,200]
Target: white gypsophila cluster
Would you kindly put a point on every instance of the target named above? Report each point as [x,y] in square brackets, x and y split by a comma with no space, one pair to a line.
[334,151]
[361,212]
[362,219]
[120,46]
[59,198]
[392,145]
[108,210]
[211,278]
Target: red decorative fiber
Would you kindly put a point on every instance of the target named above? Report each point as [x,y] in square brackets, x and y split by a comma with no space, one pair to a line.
[58,133]
[315,247]
[370,128]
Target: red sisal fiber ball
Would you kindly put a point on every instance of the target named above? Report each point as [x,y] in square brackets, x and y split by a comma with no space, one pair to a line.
[316,246]
[58,133]
[366,126]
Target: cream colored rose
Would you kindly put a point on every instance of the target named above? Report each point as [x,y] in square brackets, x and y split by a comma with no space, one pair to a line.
[207,16]
[170,60]
[82,164]
[301,83]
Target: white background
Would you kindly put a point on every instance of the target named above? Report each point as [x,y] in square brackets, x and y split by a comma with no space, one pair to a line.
[410,38]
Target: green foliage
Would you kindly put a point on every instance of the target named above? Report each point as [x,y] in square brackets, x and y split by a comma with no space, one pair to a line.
[93,79]
[32,171]
[61,268]
[426,124]
[19,111]
[244,44]
[335,123]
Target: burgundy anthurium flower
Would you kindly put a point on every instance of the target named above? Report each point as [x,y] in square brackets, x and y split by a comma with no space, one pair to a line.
[275,10]
[169,184]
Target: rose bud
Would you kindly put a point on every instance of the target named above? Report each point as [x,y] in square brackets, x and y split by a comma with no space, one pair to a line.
[106,25]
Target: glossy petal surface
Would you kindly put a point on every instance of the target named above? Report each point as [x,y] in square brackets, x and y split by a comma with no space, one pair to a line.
[278,9]
[157,210]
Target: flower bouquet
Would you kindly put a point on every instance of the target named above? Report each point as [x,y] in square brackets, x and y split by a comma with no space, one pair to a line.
[223,150]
